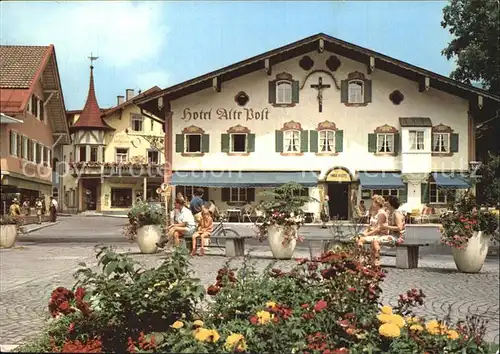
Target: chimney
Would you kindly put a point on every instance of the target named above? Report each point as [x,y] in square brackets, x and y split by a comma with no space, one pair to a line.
[120,100]
[129,94]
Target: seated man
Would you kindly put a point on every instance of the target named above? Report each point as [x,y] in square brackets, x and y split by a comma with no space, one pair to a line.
[183,226]
[204,231]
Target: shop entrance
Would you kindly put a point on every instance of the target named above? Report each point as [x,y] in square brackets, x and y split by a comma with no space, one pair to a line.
[338,194]
[338,181]
[90,194]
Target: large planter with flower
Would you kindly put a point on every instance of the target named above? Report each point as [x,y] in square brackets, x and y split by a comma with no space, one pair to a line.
[146,222]
[468,230]
[9,228]
[283,217]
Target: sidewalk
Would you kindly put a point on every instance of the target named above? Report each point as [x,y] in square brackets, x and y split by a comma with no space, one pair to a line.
[35,227]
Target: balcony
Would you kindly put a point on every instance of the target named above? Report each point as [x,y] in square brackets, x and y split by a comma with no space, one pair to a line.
[116,169]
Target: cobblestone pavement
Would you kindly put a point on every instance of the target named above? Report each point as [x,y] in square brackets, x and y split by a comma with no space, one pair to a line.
[47,258]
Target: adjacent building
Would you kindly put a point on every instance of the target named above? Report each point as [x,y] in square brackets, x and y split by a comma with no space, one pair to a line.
[33,125]
[116,155]
[342,120]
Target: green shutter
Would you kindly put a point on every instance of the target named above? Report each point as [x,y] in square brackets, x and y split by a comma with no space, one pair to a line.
[368,91]
[424,193]
[339,141]
[179,142]
[224,142]
[403,194]
[225,194]
[295,92]
[344,91]
[397,144]
[313,144]
[251,194]
[278,140]
[205,143]
[372,142]
[454,142]
[272,91]
[304,141]
[251,143]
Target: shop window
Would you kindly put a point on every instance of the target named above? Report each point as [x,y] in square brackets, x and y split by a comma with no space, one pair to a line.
[238,195]
[188,192]
[438,195]
[386,192]
[121,197]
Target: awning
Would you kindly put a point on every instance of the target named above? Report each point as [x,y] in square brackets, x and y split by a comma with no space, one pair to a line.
[450,180]
[381,180]
[243,179]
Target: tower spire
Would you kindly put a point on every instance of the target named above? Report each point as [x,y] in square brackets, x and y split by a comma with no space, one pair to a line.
[92,59]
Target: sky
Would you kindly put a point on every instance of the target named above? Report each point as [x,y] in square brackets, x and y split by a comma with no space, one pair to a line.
[145,43]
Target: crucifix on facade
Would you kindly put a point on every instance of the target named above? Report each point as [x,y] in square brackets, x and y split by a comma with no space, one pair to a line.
[319,86]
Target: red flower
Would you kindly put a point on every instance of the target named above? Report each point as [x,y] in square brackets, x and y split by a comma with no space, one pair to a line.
[213,290]
[254,320]
[79,293]
[320,305]
[71,327]
[351,289]
[305,306]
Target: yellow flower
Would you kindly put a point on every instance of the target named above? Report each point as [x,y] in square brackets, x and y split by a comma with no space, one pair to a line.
[232,340]
[397,320]
[264,317]
[206,335]
[412,320]
[386,310]
[270,304]
[416,327]
[177,324]
[198,323]
[452,334]
[384,318]
[389,330]
[436,328]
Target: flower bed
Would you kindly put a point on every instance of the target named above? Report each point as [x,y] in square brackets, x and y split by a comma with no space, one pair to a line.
[326,305]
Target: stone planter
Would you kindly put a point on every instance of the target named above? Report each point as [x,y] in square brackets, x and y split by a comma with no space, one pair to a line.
[471,258]
[147,237]
[8,235]
[275,237]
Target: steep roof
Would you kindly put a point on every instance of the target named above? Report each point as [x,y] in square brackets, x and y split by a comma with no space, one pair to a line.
[19,64]
[307,45]
[90,118]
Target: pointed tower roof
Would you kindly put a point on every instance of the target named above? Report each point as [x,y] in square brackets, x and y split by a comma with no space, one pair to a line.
[90,118]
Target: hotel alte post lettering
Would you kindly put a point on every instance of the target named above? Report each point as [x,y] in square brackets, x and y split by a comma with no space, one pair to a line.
[226,114]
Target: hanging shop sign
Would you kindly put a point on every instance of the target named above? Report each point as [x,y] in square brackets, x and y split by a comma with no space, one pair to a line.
[338,175]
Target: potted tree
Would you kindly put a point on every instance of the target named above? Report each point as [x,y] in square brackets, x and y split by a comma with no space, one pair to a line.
[146,222]
[9,228]
[468,230]
[283,215]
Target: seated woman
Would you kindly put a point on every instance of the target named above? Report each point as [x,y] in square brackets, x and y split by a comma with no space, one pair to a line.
[396,220]
[204,230]
[376,234]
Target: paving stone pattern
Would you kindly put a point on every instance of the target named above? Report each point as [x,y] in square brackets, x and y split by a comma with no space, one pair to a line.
[47,258]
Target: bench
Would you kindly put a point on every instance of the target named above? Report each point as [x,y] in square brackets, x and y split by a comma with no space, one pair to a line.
[234,244]
[406,253]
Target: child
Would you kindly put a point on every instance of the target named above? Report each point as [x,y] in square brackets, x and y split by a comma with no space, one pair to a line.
[204,230]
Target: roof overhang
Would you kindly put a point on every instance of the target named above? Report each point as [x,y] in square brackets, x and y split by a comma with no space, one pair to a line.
[425,78]
[5,119]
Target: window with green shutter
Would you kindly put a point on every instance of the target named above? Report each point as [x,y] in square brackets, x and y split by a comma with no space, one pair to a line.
[224,142]
[205,143]
[179,143]
[250,143]
[278,140]
[313,140]
[372,142]
[356,90]
[424,193]
[403,194]
[283,91]
[454,142]
[304,141]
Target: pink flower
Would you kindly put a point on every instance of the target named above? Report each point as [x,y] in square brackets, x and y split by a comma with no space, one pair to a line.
[320,305]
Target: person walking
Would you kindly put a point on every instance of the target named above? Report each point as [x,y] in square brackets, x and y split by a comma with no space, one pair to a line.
[53,209]
[14,209]
[26,207]
[38,208]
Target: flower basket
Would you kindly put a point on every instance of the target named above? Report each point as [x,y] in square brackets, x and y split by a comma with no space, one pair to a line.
[468,230]
[146,223]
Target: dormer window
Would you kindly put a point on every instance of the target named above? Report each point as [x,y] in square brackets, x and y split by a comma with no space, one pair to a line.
[355,89]
[283,91]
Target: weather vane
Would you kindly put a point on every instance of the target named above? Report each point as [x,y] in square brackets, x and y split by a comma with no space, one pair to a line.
[92,59]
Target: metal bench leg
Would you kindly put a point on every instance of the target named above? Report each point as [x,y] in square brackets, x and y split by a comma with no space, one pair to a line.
[235,247]
[407,257]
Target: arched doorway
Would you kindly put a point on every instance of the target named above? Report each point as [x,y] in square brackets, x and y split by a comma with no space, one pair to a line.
[338,182]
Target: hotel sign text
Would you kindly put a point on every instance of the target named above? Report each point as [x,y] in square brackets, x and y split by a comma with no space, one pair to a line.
[226,114]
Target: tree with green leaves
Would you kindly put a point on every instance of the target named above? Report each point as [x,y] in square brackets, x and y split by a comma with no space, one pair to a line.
[475,25]
[490,178]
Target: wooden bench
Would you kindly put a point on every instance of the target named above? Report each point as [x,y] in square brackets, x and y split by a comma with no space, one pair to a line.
[406,253]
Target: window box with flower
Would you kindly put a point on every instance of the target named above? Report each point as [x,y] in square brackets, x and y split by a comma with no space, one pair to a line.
[283,216]
[468,230]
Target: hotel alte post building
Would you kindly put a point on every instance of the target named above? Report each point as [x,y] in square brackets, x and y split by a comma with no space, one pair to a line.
[343,121]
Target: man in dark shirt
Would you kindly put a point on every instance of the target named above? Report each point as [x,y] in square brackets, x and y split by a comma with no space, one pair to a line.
[196,204]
